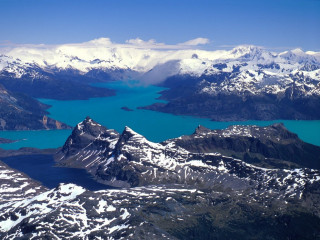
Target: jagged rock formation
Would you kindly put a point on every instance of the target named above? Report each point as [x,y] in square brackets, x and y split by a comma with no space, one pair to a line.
[178,189]
[129,160]
[20,112]
[89,142]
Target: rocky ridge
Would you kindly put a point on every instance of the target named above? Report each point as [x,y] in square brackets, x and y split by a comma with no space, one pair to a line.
[129,160]
[20,112]
[181,188]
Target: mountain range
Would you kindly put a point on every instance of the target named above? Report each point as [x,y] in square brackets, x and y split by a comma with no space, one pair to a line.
[245,83]
[100,54]
[188,187]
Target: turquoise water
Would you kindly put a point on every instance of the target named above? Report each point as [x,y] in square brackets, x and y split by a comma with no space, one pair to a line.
[39,139]
[155,126]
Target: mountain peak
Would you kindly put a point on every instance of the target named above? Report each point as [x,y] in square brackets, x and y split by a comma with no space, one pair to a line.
[201,130]
[88,124]
[298,51]
[88,118]
[83,134]
[247,52]
[243,49]
[128,133]
[298,55]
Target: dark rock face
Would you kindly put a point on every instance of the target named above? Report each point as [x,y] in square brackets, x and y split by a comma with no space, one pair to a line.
[88,145]
[221,97]
[20,112]
[179,189]
[58,84]
[199,159]
[272,146]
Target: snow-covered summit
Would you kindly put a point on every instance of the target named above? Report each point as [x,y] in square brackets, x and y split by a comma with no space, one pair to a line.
[141,57]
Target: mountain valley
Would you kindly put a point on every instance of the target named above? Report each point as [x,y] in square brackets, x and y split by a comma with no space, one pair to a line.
[241,182]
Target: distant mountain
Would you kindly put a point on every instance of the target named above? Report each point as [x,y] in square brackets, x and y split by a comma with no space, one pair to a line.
[270,147]
[247,82]
[54,83]
[21,112]
[101,60]
[179,189]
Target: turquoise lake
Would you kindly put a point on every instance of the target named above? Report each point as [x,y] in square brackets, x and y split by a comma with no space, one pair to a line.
[155,126]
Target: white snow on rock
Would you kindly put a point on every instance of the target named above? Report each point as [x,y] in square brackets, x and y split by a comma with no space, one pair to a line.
[153,65]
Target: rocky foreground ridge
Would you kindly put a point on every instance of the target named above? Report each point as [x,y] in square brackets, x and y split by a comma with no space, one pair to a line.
[183,188]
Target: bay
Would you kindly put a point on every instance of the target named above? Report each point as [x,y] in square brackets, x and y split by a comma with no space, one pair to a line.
[109,111]
[41,168]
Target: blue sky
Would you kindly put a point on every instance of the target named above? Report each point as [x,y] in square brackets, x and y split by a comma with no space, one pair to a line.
[274,23]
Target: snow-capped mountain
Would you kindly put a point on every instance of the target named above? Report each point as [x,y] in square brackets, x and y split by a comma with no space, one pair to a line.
[250,68]
[178,189]
[102,54]
[267,85]
[130,160]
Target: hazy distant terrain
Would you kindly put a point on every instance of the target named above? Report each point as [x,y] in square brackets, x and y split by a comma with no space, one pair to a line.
[247,82]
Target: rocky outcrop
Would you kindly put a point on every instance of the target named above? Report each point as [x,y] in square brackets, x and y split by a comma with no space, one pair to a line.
[272,147]
[88,145]
[17,186]
[230,97]
[20,112]
[128,159]
[159,212]
[178,189]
